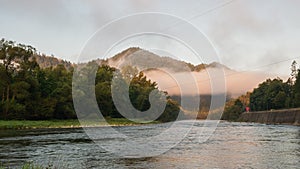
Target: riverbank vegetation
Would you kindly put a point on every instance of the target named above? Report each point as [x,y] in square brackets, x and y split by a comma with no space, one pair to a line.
[31,165]
[30,92]
[27,166]
[26,124]
[72,123]
[272,94]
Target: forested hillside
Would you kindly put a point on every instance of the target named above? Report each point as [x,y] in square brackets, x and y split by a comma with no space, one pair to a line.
[31,92]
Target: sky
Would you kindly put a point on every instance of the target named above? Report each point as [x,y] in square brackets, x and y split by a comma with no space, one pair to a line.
[247,35]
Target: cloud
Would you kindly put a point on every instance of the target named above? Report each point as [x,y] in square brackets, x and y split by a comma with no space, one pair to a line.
[237,83]
[247,35]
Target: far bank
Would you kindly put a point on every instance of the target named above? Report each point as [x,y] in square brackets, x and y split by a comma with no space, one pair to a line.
[285,116]
[28,124]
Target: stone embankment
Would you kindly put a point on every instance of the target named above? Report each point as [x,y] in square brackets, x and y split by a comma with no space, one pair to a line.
[286,116]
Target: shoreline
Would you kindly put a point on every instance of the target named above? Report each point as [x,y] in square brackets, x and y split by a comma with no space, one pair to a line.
[283,116]
[64,124]
[75,124]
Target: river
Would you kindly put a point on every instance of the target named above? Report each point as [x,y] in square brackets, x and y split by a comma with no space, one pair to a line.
[233,145]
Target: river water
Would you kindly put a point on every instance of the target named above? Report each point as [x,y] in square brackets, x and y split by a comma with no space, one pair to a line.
[233,145]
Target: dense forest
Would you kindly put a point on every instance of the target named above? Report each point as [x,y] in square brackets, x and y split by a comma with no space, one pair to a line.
[270,95]
[29,92]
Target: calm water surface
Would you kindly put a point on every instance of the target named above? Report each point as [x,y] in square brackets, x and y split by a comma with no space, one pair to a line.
[233,145]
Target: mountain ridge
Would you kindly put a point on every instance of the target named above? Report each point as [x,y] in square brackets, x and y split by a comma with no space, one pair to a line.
[45,61]
[163,61]
[160,70]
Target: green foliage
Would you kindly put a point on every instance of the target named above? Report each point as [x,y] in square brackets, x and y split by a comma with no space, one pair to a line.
[104,77]
[276,94]
[28,165]
[233,110]
[31,166]
[271,94]
[294,72]
[297,90]
[30,124]
[171,111]
[139,91]
[28,92]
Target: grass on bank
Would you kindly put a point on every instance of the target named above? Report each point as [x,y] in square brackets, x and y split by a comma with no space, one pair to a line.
[28,124]
[31,165]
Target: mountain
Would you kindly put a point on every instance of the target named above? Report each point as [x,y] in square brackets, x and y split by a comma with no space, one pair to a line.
[51,61]
[163,70]
[180,79]
[143,59]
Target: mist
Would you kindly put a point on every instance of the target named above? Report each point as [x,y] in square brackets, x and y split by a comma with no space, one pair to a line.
[236,83]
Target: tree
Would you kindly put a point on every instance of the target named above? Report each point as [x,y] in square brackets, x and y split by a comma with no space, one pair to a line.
[139,90]
[63,94]
[14,64]
[171,111]
[271,94]
[104,77]
[31,93]
[297,90]
[129,72]
[294,72]
[279,100]
[233,110]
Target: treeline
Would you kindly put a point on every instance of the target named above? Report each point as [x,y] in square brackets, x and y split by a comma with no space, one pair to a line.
[139,90]
[29,92]
[270,95]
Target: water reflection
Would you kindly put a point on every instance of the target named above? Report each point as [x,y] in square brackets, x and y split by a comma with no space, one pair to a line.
[233,145]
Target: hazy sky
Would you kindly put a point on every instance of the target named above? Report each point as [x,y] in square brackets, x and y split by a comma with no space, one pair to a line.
[247,34]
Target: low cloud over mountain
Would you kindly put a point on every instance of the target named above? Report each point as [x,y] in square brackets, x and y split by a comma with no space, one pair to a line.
[178,77]
[170,73]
